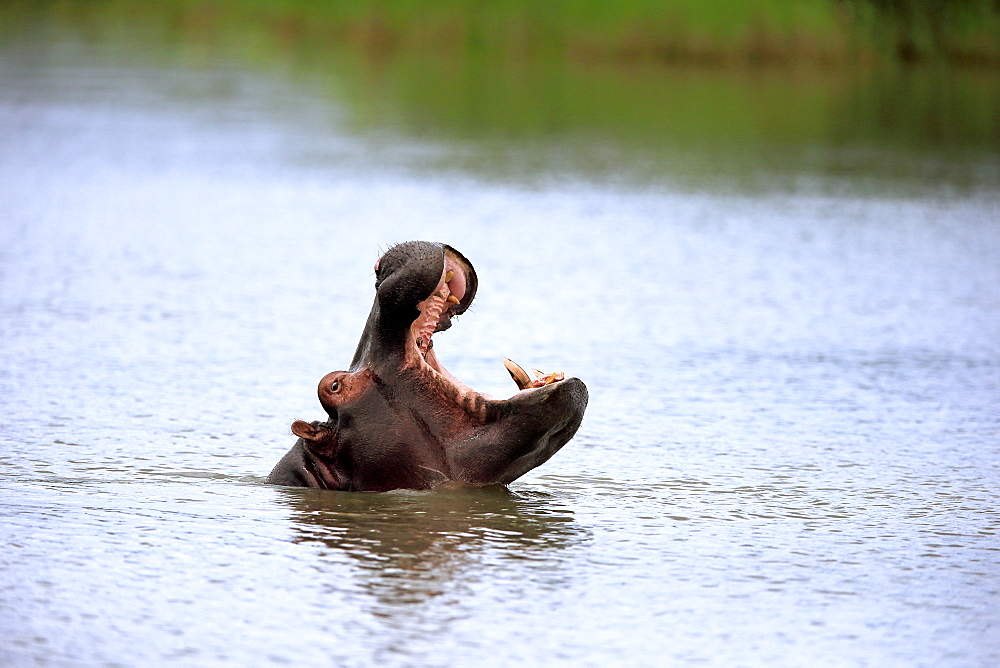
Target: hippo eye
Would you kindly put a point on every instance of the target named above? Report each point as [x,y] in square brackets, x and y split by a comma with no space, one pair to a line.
[335,386]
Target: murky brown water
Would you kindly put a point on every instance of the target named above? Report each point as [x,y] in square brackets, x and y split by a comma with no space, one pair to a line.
[791,455]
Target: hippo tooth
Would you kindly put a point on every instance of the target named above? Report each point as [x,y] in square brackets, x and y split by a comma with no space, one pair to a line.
[453,299]
[450,275]
[517,373]
[538,374]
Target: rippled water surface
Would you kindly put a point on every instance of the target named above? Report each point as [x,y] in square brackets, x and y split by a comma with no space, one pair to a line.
[791,454]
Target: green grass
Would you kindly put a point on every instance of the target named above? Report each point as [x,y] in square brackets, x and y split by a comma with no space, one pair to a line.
[721,33]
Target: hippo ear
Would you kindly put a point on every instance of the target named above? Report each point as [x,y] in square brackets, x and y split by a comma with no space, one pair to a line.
[310,432]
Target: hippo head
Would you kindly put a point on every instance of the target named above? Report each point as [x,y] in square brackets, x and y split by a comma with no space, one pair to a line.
[399,419]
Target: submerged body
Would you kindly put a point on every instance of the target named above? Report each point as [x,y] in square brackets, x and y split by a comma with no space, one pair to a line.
[398,419]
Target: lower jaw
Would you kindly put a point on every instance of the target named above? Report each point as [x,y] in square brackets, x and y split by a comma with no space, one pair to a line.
[524,385]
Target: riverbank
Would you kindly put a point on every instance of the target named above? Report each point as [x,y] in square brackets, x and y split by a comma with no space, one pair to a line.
[754,93]
[741,33]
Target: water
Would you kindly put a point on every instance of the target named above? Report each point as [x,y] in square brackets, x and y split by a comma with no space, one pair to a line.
[791,454]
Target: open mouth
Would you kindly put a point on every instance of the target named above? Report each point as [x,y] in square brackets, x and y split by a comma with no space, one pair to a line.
[452,296]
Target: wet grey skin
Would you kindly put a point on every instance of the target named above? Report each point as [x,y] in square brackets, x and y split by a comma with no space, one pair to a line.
[398,420]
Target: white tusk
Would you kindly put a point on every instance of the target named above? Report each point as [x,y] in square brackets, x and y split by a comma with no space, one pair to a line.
[519,375]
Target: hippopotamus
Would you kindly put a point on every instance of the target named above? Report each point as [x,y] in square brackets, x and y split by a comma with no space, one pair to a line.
[397,419]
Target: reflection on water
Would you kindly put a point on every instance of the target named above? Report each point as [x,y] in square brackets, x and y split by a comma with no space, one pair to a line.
[413,546]
[790,454]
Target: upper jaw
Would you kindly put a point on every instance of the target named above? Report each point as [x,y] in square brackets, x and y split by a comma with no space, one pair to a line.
[466,282]
[451,296]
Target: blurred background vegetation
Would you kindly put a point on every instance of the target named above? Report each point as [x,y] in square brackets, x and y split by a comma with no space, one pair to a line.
[828,85]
